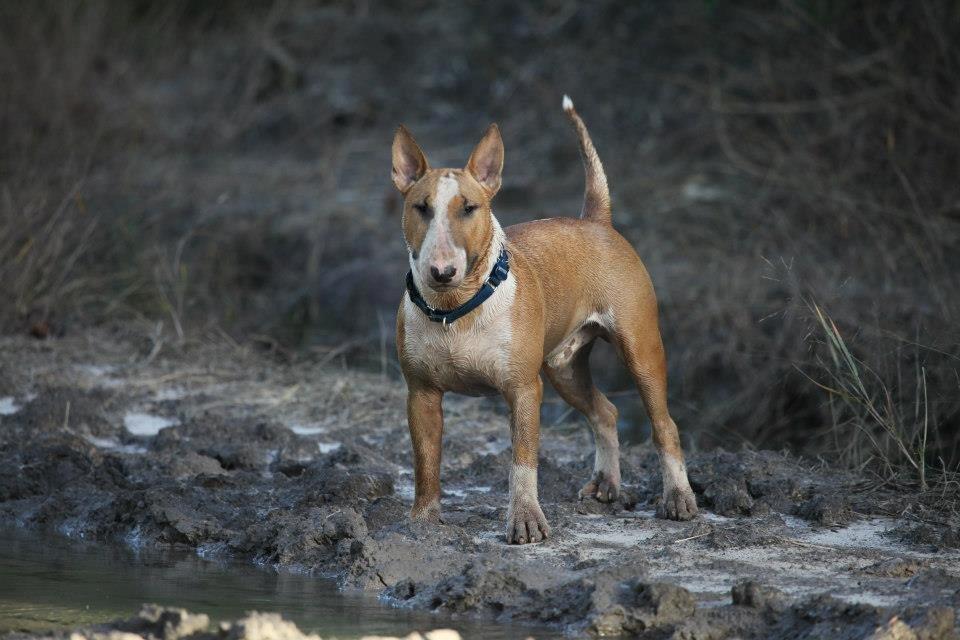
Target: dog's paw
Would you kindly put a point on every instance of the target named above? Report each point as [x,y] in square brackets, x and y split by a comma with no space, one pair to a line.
[526,523]
[426,512]
[677,504]
[601,487]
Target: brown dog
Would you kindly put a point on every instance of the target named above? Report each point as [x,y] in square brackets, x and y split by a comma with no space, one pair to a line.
[488,308]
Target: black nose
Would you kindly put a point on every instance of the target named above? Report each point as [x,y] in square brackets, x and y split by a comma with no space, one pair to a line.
[448,272]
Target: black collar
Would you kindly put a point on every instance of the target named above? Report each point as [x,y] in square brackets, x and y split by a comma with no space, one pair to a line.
[498,275]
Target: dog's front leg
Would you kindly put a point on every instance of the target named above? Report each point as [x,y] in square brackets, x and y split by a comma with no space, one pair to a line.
[525,519]
[425,418]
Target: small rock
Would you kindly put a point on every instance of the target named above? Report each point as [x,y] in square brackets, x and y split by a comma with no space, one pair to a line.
[827,511]
[40,329]
[263,626]
[165,623]
[895,629]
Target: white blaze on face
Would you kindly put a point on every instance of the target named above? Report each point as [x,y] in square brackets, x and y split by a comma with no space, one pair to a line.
[439,248]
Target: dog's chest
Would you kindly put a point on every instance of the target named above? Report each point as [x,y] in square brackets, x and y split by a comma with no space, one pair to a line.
[471,358]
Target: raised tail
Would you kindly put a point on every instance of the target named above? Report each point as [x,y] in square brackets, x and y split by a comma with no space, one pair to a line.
[596,197]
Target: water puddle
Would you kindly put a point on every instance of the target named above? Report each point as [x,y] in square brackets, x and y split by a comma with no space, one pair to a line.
[113,445]
[8,406]
[465,491]
[307,430]
[145,424]
[50,583]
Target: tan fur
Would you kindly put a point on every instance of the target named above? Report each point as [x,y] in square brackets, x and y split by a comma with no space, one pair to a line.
[596,196]
[571,281]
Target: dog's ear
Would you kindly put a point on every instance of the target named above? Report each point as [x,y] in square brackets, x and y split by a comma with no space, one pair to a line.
[409,163]
[486,161]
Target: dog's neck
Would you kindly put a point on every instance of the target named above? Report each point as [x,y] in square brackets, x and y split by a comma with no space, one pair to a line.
[477,275]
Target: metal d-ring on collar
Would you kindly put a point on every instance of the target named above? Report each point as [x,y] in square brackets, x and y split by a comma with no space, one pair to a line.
[499,273]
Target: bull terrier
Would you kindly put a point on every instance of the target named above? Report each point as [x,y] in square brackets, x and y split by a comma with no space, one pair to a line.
[487,309]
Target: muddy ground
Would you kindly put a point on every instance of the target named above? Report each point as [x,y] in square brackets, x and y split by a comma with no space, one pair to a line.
[306,467]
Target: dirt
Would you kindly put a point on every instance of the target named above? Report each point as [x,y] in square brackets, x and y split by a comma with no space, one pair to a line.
[307,468]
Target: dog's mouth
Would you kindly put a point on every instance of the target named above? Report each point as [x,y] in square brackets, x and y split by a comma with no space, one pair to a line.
[440,287]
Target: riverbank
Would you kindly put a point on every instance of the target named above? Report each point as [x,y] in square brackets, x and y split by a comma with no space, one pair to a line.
[230,453]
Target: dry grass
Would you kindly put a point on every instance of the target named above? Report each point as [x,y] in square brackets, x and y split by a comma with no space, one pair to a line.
[873,424]
[48,124]
[39,260]
[61,65]
[813,159]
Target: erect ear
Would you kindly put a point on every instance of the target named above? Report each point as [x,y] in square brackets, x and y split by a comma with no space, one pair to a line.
[409,163]
[486,161]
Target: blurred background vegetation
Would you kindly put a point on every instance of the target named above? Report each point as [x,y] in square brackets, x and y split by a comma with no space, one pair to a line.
[789,172]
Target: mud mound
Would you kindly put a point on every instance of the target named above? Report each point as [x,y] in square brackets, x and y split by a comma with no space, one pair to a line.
[56,462]
[754,483]
[64,408]
[932,536]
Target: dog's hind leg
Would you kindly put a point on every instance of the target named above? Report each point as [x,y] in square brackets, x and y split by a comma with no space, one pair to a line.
[642,352]
[569,373]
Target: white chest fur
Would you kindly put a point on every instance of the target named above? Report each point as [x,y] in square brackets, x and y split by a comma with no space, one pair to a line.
[466,356]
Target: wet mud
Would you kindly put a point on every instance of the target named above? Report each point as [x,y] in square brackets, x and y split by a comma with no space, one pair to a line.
[307,468]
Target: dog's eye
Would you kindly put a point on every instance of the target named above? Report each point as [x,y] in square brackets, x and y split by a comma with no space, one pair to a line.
[423,208]
[469,208]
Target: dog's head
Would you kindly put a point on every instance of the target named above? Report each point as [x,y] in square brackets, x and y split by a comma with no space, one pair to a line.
[447,221]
